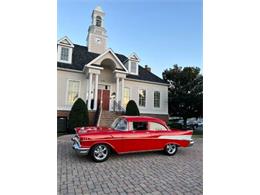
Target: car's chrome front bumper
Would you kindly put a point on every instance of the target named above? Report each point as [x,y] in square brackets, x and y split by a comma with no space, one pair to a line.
[76,146]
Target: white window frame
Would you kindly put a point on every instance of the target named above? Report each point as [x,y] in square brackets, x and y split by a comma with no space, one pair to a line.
[144,99]
[129,94]
[67,90]
[69,57]
[159,100]
[130,66]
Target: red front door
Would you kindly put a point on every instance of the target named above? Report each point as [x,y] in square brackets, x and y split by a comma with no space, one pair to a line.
[105,97]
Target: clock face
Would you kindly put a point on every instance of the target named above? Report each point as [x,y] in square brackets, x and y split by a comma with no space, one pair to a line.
[98,40]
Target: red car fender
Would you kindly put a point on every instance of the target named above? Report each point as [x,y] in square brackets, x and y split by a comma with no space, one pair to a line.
[179,143]
[104,142]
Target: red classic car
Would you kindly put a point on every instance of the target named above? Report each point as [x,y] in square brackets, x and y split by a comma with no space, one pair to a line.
[130,134]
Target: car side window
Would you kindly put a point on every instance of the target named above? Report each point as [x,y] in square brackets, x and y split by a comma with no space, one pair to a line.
[157,126]
[140,126]
[121,125]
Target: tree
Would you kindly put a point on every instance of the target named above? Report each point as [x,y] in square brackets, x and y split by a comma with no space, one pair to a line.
[78,116]
[132,109]
[185,91]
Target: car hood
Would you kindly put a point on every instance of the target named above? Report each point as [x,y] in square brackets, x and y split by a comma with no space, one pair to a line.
[92,129]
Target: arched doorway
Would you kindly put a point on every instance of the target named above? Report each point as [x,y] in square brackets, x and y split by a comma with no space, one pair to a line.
[106,87]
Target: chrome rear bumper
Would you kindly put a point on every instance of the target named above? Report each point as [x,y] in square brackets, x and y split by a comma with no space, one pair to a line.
[76,146]
[191,143]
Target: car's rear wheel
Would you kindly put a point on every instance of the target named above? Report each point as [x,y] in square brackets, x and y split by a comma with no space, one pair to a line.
[171,149]
[100,152]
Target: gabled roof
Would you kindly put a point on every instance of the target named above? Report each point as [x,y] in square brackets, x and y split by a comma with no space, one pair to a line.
[122,67]
[81,56]
[134,56]
[66,42]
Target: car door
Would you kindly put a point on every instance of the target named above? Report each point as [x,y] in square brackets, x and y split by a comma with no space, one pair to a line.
[138,137]
[119,133]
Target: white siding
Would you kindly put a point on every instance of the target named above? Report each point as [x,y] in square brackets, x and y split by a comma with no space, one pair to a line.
[150,88]
[62,78]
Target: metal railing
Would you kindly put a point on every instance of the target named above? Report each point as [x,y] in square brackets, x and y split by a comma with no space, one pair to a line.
[117,107]
[98,113]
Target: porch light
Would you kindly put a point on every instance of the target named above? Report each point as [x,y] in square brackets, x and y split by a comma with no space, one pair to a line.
[113,95]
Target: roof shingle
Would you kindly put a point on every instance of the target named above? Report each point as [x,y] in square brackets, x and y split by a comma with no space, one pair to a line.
[81,56]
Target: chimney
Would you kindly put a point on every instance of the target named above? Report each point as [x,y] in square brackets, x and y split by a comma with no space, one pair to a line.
[146,67]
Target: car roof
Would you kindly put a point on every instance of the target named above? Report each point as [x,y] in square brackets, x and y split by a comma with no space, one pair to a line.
[143,118]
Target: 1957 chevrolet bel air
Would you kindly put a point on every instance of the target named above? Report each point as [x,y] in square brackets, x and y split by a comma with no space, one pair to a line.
[130,134]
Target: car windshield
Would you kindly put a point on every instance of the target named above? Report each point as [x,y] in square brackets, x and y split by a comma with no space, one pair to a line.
[119,124]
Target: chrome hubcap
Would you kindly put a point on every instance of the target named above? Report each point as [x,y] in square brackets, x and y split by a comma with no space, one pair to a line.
[171,148]
[100,152]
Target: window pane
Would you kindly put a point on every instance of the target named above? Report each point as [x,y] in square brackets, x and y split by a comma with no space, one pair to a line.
[64,54]
[133,67]
[156,126]
[142,97]
[121,125]
[126,96]
[157,99]
[140,126]
[73,92]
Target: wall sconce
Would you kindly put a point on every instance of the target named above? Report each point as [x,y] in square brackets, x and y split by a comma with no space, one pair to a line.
[113,95]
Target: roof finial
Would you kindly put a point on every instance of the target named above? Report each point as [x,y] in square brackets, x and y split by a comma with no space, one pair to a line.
[98,8]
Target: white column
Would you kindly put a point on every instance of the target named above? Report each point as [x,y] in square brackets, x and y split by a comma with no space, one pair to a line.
[96,92]
[89,90]
[117,89]
[122,91]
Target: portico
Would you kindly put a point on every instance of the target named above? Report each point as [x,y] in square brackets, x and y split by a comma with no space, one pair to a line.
[105,82]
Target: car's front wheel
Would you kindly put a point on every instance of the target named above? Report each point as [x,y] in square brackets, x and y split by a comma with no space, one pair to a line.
[170,149]
[100,152]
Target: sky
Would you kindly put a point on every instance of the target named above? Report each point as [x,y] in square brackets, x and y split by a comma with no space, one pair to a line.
[161,32]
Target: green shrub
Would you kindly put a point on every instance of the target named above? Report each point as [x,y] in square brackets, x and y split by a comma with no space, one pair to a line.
[132,109]
[78,116]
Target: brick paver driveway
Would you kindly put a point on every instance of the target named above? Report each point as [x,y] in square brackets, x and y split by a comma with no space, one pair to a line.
[142,173]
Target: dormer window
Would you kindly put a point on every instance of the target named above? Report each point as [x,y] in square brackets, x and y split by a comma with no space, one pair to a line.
[133,67]
[98,21]
[64,55]
[65,49]
[132,64]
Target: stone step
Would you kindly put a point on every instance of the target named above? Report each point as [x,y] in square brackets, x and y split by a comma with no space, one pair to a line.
[107,118]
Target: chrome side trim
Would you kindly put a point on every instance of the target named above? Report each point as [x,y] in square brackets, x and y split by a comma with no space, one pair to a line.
[140,151]
[154,138]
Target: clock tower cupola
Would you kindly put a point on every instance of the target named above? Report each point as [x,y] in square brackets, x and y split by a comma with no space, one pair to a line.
[97,38]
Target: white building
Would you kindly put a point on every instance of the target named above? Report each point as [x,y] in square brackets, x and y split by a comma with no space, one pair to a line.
[95,72]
